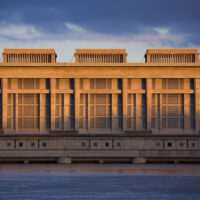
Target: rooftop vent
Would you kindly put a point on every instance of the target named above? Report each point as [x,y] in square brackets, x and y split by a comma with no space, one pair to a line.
[29,56]
[172,56]
[100,56]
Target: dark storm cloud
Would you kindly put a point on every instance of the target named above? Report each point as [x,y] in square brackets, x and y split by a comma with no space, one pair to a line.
[116,17]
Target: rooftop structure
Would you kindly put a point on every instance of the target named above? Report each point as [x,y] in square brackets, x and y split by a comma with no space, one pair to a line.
[172,56]
[100,56]
[29,56]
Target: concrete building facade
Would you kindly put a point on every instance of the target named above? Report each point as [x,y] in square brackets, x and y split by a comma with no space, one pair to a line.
[100,107]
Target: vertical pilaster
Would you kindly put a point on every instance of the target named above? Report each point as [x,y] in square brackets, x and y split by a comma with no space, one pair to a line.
[4,58]
[148,101]
[197,104]
[125,58]
[42,112]
[53,95]
[114,112]
[197,58]
[53,58]
[138,112]
[77,99]
[186,112]
[124,101]
[66,111]
[4,103]
[148,58]
[16,112]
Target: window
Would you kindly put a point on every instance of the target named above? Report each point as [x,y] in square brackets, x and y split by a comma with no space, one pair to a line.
[100,84]
[172,83]
[44,144]
[172,111]
[131,111]
[100,111]
[143,84]
[20,144]
[169,144]
[59,111]
[28,111]
[28,83]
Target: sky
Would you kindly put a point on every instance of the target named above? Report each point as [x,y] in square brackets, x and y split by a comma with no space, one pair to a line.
[69,24]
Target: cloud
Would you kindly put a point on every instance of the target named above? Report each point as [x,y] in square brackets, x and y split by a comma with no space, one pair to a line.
[154,34]
[75,36]
[74,27]
[19,31]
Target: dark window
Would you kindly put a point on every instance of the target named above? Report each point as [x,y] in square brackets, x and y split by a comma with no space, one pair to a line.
[158,144]
[143,84]
[169,144]
[119,83]
[107,144]
[49,58]
[44,144]
[47,83]
[191,83]
[83,144]
[71,83]
[32,144]
[181,144]
[8,144]
[121,58]
[95,144]
[118,144]
[20,144]
[193,144]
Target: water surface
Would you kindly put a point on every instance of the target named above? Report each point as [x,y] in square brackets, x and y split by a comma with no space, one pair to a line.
[162,182]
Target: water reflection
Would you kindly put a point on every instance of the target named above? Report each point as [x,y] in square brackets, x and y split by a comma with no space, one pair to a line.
[100,169]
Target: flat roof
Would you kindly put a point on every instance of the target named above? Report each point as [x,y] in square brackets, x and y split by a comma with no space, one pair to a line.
[28,51]
[172,51]
[101,51]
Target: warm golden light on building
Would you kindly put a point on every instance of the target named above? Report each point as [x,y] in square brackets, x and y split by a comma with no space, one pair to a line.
[101,93]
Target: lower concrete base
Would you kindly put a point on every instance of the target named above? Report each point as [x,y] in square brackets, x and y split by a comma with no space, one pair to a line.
[64,160]
[139,160]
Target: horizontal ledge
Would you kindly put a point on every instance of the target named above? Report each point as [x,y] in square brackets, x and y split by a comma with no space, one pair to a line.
[166,91]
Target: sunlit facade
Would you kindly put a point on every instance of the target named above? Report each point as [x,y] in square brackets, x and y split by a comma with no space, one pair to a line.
[100,92]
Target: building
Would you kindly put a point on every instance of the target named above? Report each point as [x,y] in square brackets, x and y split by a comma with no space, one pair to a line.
[100,107]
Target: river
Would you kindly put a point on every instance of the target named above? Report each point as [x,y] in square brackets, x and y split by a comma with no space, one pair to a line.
[99,181]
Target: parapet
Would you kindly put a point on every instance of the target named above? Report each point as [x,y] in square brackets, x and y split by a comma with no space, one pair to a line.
[172,56]
[29,56]
[100,56]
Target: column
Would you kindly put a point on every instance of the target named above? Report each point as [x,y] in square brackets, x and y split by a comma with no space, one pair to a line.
[196,58]
[76,58]
[66,111]
[16,111]
[42,112]
[160,109]
[4,58]
[124,101]
[87,117]
[53,95]
[138,112]
[114,113]
[186,112]
[53,58]
[4,103]
[77,99]
[124,56]
[197,104]
[148,101]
